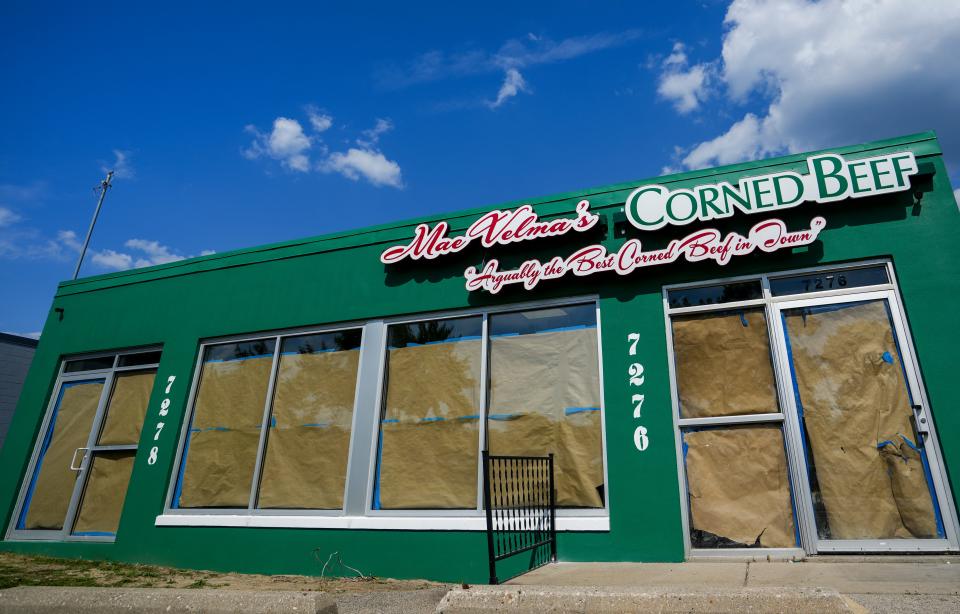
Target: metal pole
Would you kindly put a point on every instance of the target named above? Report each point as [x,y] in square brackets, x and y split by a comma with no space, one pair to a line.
[104,186]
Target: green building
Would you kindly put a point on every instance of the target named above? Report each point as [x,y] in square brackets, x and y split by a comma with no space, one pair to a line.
[746,359]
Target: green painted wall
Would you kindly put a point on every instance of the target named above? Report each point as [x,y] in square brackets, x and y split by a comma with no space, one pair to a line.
[339,278]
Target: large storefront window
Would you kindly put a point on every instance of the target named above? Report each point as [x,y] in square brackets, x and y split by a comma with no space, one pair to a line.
[800,414]
[284,422]
[431,415]
[545,396]
[84,460]
[300,434]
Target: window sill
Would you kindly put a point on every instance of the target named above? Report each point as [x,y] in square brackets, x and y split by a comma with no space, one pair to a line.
[396,523]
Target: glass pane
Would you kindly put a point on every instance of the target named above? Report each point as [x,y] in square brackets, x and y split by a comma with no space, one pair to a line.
[50,490]
[867,473]
[429,429]
[88,364]
[221,448]
[723,364]
[305,466]
[545,396]
[144,358]
[829,280]
[739,489]
[712,295]
[103,497]
[127,408]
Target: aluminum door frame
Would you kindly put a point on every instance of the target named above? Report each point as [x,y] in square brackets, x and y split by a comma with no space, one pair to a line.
[812,543]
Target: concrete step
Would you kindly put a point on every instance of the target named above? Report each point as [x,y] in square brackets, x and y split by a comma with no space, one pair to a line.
[572,599]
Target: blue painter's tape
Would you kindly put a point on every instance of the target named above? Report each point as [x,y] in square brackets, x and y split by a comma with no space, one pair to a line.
[434,419]
[578,410]
[317,424]
[887,358]
[503,416]
[390,420]
[470,417]
[743,319]
[376,479]
[96,533]
[929,477]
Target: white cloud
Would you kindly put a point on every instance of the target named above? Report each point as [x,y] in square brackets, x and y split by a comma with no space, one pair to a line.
[685,86]
[286,143]
[8,217]
[142,253]
[367,163]
[371,137]
[121,167]
[513,84]
[320,121]
[513,55]
[836,72]
[110,259]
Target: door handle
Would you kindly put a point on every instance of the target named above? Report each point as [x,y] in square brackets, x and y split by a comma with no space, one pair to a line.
[919,423]
[74,458]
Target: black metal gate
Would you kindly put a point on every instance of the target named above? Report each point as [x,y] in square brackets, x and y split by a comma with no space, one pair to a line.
[518,494]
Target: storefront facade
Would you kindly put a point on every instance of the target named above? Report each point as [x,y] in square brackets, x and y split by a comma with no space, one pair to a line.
[755,358]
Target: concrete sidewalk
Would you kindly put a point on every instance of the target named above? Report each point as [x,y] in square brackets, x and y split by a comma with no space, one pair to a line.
[837,584]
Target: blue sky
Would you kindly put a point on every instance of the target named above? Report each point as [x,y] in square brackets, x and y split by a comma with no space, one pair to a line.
[246,124]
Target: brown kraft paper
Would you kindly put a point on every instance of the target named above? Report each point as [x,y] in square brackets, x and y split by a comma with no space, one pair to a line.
[738,485]
[54,487]
[103,497]
[744,382]
[305,466]
[545,397]
[127,408]
[853,400]
[431,427]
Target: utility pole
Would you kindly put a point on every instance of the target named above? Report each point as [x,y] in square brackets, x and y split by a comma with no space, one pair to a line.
[104,186]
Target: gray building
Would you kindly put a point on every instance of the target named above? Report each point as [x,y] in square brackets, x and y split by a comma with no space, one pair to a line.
[16,354]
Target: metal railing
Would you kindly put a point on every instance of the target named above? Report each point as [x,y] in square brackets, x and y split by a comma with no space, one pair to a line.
[518,495]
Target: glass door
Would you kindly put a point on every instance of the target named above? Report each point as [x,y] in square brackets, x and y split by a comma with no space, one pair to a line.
[862,432]
[81,467]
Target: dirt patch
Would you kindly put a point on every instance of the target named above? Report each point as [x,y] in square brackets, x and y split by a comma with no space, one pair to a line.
[24,570]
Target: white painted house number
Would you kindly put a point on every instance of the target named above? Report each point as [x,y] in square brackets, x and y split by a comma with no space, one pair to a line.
[636,379]
[164,410]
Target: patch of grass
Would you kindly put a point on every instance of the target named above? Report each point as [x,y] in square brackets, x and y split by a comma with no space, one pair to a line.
[201,583]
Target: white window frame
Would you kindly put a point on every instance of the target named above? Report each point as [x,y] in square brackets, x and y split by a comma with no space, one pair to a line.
[358,511]
[787,416]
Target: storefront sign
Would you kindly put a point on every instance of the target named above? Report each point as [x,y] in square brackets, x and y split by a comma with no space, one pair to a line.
[707,244]
[494,228]
[831,177]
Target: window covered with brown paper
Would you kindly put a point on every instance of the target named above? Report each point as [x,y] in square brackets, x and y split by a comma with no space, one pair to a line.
[545,396]
[738,487]
[127,408]
[723,364]
[305,466]
[428,453]
[103,496]
[867,471]
[221,448]
[51,493]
